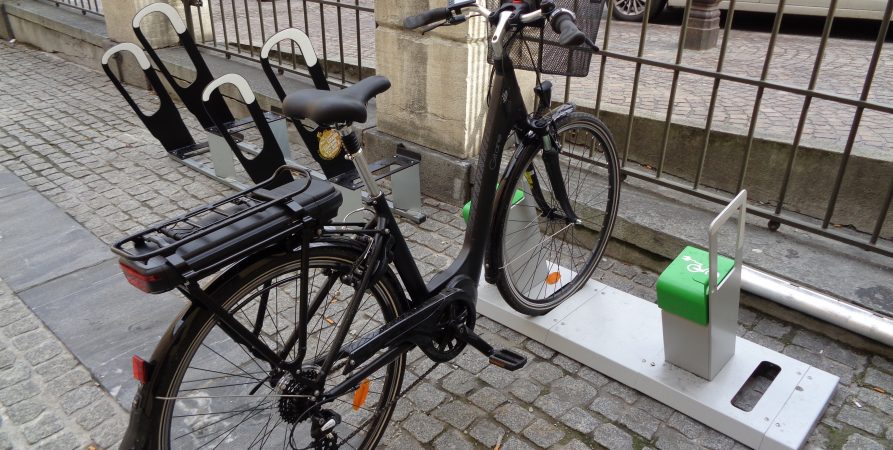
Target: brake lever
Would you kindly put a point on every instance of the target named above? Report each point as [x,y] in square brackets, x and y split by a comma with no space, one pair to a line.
[455,20]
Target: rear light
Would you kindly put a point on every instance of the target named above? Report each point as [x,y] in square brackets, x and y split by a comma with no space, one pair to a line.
[141,370]
[143,282]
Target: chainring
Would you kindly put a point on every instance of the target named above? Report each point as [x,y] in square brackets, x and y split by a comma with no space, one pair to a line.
[445,343]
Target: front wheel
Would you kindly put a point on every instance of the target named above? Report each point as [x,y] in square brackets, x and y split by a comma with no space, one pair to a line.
[214,393]
[555,215]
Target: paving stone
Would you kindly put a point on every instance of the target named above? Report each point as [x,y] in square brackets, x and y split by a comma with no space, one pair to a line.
[772,328]
[109,433]
[423,427]
[453,440]
[883,402]
[457,414]
[102,409]
[670,439]
[715,440]
[640,422]
[544,372]
[458,382]
[566,363]
[5,443]
[42,428]
[612,437]
[575,444]
[543,434]
[79,398]
[574,389]
[513,443]
[7,358]
[596,379]
[14,374]
[539,349]
[487,432]
[61,441]
[526,390]
[59,365]
[488,398]
[858,442]
[26,411]
[862,419]
[496,377]
[579,420]
[766,341]
[472,361]
[609,406]
[628,394]
[13,394]
[882,363]
[553,404]
[874,377]
[654,408]
[426,397]
[691,428]
[513,416]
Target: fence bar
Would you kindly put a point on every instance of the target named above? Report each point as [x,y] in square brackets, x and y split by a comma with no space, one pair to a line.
[674,86]
[341,45]
[213,27]
[322,28]
[604,59]
[359,43]
[79,5]
[779,14]
[201,25]
[236,25]
[726,36]
[883,215]
[632,101]
[857,119]
[260,17]
[248,26]
[223,25]
[804,112]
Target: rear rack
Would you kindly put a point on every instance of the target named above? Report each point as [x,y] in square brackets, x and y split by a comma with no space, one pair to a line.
[163,240]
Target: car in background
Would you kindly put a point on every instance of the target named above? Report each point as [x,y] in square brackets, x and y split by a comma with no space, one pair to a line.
[634,10]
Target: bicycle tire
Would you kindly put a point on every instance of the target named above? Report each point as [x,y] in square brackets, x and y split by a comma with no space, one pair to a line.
[522,233]
[189,367]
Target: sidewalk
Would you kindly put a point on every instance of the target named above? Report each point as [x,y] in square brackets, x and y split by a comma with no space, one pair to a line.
[65,131]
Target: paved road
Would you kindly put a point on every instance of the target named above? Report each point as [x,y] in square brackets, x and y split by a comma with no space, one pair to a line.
[65,131]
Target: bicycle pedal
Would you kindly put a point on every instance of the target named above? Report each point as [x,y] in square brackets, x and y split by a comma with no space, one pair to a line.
[508,359]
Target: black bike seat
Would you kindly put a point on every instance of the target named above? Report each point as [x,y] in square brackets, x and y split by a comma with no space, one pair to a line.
[330,107]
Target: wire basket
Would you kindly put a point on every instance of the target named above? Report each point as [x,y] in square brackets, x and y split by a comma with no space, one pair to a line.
[537,48]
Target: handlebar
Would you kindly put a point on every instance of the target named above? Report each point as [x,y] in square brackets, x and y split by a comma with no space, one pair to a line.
[563,21]
[426,18]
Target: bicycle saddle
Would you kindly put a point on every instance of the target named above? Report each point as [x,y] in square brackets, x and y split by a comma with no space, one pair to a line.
[329,107]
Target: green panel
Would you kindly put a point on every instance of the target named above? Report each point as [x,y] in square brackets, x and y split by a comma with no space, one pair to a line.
[682,287]
[466,210]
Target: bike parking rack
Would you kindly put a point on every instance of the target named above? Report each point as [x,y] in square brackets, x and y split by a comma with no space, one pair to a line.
[623,337]
[402,168]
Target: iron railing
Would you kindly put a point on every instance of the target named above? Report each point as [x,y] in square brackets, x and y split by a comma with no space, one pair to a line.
[873,234]
[92,7]
[342,32]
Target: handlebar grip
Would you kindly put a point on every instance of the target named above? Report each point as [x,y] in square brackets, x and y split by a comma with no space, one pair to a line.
[568,33]
[426,18]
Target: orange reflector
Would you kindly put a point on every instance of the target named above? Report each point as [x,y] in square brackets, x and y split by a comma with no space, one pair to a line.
[140,370]
[553,278]
[359,396]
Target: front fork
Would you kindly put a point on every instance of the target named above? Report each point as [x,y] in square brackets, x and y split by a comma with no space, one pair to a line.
[542,125]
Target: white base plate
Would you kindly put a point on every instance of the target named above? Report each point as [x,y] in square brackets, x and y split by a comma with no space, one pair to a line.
[620,336]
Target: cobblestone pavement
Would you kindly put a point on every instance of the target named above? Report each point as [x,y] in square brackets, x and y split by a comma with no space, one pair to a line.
[67,133]
[827,125]
[47,399]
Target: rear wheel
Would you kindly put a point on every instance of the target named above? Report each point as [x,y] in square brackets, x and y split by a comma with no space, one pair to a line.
[221,396]
[542,255]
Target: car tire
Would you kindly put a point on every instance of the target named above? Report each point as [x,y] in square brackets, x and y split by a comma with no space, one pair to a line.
[634,10]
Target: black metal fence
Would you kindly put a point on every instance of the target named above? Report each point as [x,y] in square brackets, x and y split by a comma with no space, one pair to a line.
[342,32]
[92,7]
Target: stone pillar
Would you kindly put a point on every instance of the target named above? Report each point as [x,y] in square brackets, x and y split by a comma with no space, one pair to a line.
[437,103]
[119,21]
[703,25]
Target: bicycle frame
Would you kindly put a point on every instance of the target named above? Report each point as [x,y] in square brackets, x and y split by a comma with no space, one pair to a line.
[506,113]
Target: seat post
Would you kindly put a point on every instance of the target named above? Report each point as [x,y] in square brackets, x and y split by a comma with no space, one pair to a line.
[355,154]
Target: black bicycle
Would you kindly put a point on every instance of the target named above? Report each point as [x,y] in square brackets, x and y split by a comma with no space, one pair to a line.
[298,328]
